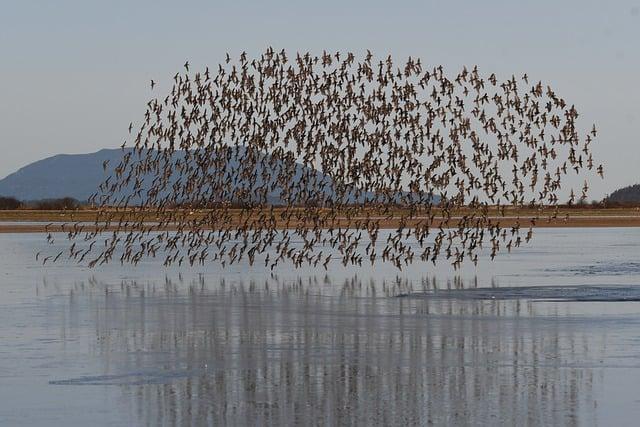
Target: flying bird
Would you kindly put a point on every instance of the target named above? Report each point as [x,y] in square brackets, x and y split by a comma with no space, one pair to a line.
[287,157]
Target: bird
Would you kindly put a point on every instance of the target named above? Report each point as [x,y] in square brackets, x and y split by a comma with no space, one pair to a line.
[282,156]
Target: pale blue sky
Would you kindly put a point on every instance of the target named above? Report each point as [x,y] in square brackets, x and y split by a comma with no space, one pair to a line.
[74,73]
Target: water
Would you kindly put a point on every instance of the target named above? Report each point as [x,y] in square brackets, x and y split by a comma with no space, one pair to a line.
[546,335]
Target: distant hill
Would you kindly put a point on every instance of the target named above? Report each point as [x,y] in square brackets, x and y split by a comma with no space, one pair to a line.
[73,175]
[79,175]
[625,196]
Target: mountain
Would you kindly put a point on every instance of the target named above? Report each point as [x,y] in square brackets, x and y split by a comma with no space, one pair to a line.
[79,175]
[72,175]
[629,195]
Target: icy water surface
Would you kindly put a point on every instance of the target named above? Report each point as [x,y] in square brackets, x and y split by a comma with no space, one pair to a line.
[547,335]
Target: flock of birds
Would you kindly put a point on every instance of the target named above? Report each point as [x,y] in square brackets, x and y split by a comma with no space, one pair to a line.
[305,158]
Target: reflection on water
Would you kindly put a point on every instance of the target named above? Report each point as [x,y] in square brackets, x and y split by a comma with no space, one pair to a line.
[281,353]
[347,346]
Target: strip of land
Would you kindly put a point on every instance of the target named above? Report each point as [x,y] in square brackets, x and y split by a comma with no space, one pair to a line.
[39,221]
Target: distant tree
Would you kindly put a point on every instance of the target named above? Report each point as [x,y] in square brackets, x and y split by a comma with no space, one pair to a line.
[64,203]
[9,203]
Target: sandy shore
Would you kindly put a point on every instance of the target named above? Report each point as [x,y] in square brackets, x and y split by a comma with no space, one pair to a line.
[32,221]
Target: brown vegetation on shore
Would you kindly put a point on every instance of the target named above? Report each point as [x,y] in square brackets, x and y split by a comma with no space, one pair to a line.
[36,221]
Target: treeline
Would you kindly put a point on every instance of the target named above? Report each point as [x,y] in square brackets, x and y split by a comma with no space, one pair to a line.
[10,203]
[626,197]
[64,203]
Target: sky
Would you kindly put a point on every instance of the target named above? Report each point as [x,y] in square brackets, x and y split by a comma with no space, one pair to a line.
[73,74]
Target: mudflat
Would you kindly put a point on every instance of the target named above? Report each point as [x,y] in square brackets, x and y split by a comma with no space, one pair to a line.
[38,221]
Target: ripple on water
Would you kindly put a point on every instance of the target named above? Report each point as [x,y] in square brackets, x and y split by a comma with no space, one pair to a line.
[584,293]
[601,268]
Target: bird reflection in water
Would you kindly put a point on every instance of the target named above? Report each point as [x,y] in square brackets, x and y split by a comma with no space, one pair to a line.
[309,350]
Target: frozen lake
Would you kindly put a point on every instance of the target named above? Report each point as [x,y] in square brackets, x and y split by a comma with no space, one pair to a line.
[546,335]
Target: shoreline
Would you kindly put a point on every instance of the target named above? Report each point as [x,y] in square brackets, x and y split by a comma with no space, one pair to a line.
[33,221]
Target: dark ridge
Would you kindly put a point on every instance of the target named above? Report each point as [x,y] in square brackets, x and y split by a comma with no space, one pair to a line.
[626,196]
